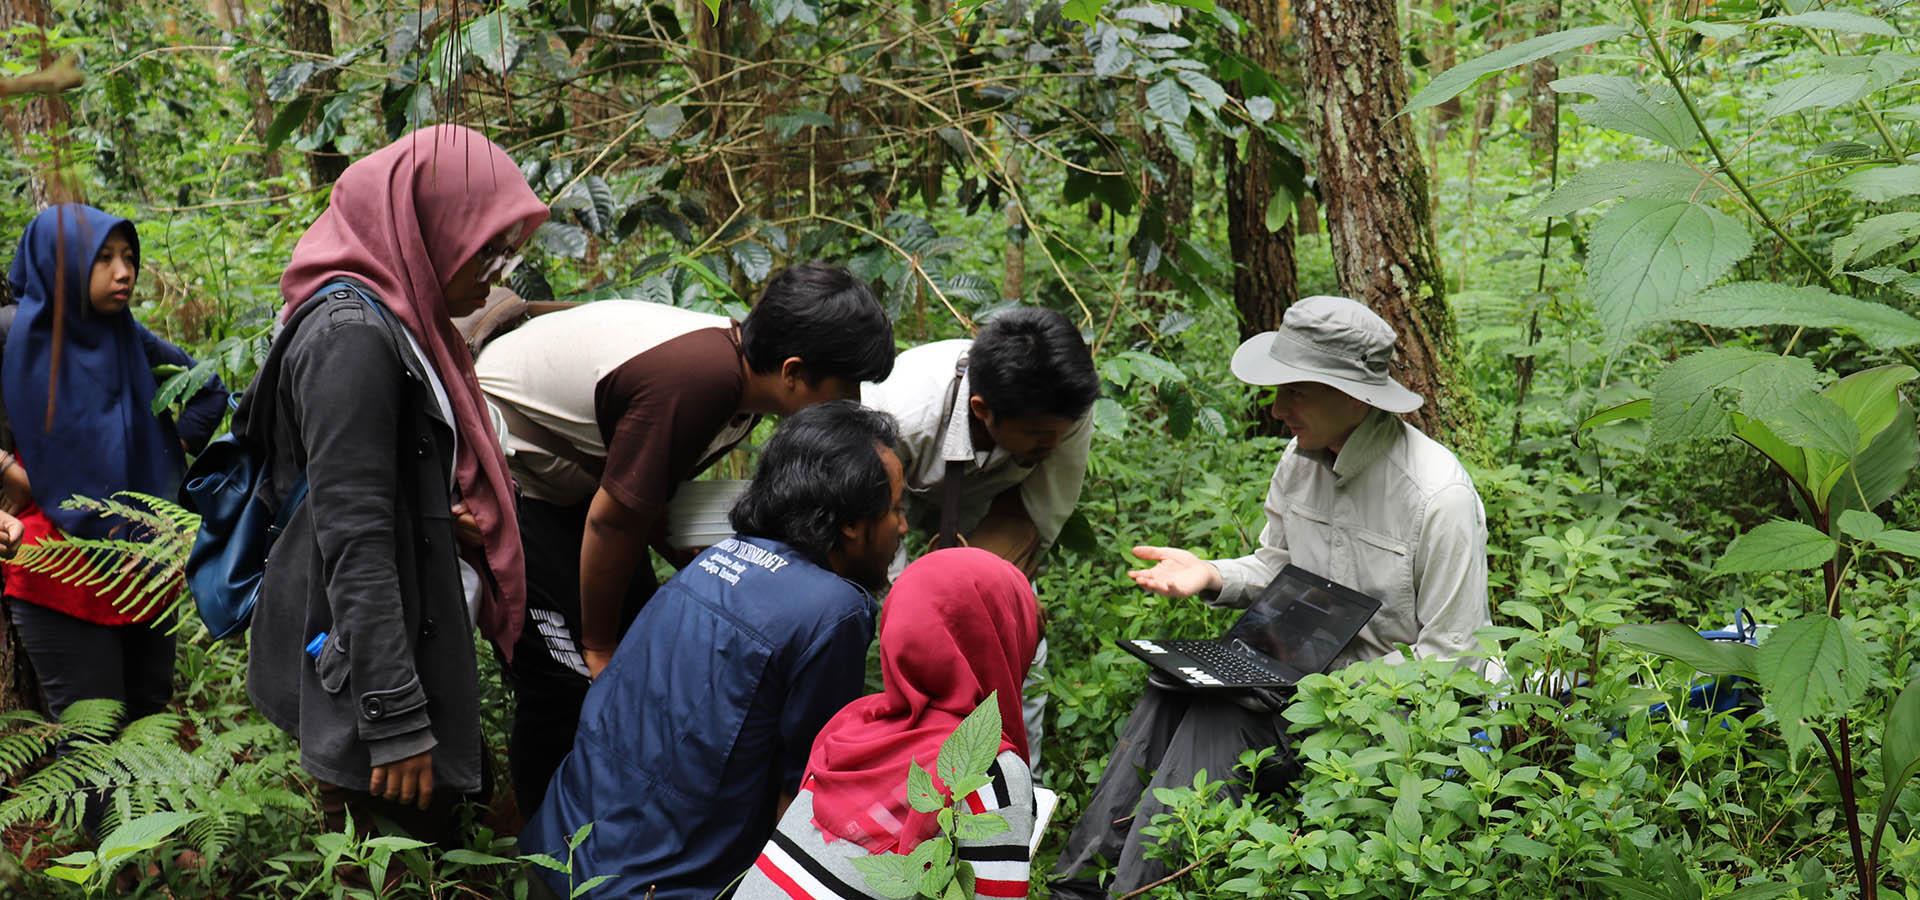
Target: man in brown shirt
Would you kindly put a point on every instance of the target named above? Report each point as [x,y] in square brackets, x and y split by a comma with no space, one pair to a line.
[608,408]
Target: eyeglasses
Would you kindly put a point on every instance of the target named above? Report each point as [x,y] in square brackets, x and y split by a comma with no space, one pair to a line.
[498,256]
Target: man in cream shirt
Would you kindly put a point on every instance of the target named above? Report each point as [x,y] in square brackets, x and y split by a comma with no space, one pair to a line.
[994,436]
[1359,497]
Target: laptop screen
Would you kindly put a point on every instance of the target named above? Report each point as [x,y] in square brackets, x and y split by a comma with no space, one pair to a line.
[1302,624]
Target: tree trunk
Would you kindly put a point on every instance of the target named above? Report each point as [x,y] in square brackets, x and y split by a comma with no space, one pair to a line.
[235,18]
[1374,187]
[1443,57]
[309,29]
[37,123]
[1013,284]
[1265,277]
[1543,125]
[1166,191]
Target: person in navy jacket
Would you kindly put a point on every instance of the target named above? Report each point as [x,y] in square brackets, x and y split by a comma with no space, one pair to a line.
[693,740]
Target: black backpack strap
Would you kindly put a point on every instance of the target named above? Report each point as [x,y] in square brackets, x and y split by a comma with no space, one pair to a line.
[955,471]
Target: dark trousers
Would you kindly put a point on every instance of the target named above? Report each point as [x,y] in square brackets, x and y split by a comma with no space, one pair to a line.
[78,660]
[548,674]
[1170,736]
[438,824]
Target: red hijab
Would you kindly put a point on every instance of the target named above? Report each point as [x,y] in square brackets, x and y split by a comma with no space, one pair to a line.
[403,220]
[959,624]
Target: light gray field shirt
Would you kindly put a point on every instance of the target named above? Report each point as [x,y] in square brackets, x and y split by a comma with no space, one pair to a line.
[916,395]
[1395,517]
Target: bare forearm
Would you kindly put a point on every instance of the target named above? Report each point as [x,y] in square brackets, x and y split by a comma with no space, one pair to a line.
[615,544]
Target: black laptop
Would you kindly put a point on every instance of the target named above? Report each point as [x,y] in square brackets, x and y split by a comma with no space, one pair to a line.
[1296,627]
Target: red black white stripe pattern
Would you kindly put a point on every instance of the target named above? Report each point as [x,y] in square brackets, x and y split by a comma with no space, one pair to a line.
[1000,870]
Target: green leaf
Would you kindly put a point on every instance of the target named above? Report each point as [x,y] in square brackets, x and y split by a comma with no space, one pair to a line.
[1686,395]
[1083,11]
[1899,746]
[1180,142]
[561,239]
[1780,545]
[490,39]
[1638,178]
[1815,422]
[1812,667]
[1718,31]
[1880,471]
[1905,543]
[754,259]
[1621,104]
[1872,236]
[291,116]
[889,875]
[933,858]
[664,121]
[467,857]
[1763,891]
[921,794]
[1747,304]
[143,834]
[1452,82]
[1647,254]
[1815,92]
[976,826]
[1109,418]
[1205,89]
[1835,20]
[1168,100]
[1861,524]
[586,887]
[1881,184]
[1678,642]
[1632,409]
[974,743]
[1279,210]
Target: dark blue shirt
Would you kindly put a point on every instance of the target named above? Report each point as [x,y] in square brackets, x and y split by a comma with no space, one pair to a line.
[703,718]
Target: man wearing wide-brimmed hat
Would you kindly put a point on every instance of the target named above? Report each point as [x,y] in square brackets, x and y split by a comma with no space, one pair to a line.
[1359,497]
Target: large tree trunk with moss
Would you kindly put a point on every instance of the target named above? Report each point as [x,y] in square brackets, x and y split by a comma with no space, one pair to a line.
[1375,189]
[309,29]
[1265,275]
[36,123]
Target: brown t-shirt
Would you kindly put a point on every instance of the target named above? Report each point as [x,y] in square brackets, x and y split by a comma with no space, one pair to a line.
[667,414]
[651,390]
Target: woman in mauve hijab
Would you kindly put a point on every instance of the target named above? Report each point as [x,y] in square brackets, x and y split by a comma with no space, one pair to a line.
[361,644]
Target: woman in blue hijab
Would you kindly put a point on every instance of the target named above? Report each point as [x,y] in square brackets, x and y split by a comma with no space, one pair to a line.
[78,382]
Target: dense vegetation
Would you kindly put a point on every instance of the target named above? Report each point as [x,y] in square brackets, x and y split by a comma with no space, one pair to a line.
[1683,342]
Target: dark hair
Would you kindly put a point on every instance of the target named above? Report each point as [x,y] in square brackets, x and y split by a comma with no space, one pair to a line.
[1032,361]
[823,315]
[821,470]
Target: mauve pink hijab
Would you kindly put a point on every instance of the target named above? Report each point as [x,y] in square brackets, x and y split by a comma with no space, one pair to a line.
[403,220]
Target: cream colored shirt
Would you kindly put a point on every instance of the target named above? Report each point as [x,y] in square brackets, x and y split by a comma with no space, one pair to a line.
[1395,517]
[916,394]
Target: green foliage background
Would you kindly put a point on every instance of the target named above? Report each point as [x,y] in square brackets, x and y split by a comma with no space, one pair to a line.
[1729,179]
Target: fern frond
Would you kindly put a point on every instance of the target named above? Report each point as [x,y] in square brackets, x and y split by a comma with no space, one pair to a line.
[141,572]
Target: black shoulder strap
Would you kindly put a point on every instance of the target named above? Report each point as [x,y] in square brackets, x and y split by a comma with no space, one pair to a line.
[956,470]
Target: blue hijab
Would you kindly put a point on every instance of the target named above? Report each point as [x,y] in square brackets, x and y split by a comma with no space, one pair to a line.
[104,437]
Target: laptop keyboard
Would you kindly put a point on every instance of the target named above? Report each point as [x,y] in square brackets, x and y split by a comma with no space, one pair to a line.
[1227,665]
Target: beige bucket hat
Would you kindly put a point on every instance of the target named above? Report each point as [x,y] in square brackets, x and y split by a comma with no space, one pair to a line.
[1332,341]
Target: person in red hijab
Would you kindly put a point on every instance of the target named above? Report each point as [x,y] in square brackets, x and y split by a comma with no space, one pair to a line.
[407,537]
[960,625]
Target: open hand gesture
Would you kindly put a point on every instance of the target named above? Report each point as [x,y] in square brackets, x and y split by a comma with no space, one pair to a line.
[1175,573]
